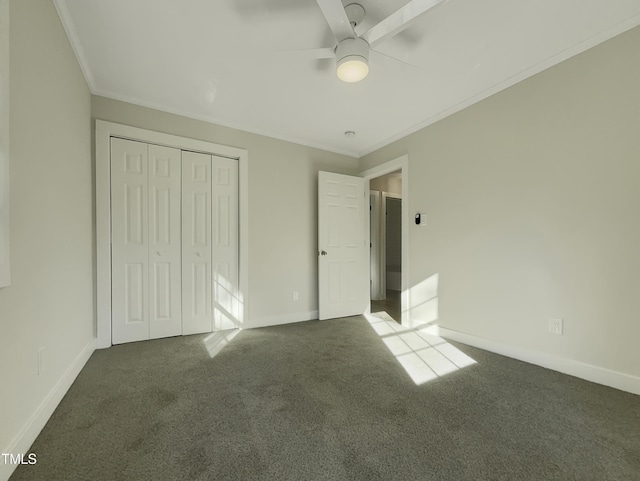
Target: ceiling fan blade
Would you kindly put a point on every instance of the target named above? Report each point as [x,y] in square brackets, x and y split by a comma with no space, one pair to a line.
[319,53]
[397,21]
[337,19]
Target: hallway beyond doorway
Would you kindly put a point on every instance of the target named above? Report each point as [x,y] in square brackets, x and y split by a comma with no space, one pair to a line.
[391,305]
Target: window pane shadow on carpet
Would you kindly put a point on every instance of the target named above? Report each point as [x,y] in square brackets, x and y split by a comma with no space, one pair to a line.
[329,400]
[424,355]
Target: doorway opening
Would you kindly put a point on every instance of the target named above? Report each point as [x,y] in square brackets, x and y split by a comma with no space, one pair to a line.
[385,196]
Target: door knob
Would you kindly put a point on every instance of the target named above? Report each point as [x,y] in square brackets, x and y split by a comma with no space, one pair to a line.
[323,253]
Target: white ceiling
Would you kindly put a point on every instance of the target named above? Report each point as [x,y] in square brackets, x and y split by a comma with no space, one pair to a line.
[233,62]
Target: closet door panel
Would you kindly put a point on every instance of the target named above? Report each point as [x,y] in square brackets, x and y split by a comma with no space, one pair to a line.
[164,242]
[196,243]
[130,244]
[226,299]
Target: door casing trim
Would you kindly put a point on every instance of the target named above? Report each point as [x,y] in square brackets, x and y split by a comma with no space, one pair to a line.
[400,163]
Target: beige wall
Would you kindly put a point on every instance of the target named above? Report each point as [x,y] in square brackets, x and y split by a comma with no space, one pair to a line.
[533,204]
[282,207]
[5,271]
[50,301]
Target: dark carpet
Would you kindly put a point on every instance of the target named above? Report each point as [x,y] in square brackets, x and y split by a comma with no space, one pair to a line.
[326,400]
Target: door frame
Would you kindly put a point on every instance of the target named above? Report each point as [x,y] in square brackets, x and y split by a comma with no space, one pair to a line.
[104,131]
[400,163]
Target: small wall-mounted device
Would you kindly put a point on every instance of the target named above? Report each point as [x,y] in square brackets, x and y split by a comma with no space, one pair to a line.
[421,219]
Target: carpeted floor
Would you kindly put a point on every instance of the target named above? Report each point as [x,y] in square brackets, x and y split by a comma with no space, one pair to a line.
[328,401]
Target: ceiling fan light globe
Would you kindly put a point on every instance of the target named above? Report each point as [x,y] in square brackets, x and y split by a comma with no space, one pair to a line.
[352,68]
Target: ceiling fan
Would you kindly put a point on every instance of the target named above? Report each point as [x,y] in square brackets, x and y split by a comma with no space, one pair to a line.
[352,50]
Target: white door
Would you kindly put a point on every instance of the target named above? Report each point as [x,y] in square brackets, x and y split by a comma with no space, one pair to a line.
[129,241]
[210,214]
[145,243]
[225,220]
[165,316]
[196,243]
[343,255]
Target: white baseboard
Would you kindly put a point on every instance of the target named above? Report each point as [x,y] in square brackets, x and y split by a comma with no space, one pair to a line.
[30,430]
[283,319]
[589,372]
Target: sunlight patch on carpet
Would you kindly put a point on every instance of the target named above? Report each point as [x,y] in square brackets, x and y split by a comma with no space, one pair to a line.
[423,355]
[217,341]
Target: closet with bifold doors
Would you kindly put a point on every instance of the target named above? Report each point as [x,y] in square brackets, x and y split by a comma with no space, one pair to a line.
[174,242]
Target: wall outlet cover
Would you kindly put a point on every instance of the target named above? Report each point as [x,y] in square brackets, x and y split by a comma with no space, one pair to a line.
[555,326]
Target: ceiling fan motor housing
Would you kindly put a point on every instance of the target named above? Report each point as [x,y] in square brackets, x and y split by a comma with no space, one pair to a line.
[352,47]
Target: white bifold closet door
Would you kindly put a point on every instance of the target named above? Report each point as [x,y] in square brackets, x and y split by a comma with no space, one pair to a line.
[146,241]
[210,298]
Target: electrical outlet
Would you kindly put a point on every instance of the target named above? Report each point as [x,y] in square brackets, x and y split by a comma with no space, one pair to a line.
[40,360]
[295,295]
[555,326]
